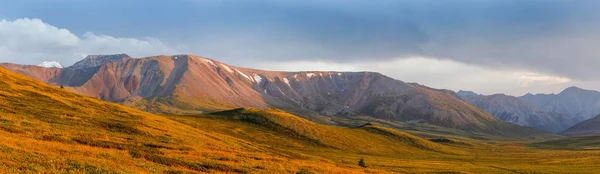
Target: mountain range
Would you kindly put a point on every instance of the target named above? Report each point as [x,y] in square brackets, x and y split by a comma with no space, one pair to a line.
[514,110]
[550,112]
[46,128]
[575,102]
[188,84]
[184,84]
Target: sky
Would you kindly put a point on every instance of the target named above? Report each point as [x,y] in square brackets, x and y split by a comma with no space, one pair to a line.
[492,46]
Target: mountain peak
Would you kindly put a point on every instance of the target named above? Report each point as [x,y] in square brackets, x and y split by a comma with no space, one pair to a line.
[98,60]
[100,56]
[575,90]
[466,93]
[50,64]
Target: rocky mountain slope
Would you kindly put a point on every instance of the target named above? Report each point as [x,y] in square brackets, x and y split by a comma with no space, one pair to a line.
[514,110]
[587,127]
[187,83]
[579,104]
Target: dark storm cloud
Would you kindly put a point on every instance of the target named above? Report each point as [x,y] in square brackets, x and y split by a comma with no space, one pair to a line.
[550,36]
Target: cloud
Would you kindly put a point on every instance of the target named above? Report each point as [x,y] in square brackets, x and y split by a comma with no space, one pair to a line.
[554,37]
[528,78]
[31,41]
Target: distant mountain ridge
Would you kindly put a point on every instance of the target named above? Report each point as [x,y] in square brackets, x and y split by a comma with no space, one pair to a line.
[587,127]
[188,83]
[551,112]
[517,111]
[579,104]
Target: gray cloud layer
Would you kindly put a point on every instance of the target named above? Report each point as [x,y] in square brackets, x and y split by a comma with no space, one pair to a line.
[549,36]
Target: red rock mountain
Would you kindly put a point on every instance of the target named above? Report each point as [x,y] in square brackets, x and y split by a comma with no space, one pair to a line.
[187,83]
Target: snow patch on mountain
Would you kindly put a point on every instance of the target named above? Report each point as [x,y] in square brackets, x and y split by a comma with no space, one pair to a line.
[287,82]
[227,68]
[50,64]
[248,77]
[280,90]
[210,62]
[257,78]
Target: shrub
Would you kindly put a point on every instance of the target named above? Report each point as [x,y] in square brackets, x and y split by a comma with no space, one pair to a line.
[361,162]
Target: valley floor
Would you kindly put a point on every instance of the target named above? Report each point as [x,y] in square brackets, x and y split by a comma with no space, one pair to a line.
[237,146]
[466,156]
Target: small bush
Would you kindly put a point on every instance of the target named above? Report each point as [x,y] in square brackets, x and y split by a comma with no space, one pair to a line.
[361,163]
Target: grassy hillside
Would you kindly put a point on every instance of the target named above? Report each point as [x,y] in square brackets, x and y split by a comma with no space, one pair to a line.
[571,143]
[365,139]
[388,149]
[46,129]
[433,131]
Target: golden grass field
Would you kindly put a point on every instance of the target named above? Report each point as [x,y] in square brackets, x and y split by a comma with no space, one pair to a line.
[45,129]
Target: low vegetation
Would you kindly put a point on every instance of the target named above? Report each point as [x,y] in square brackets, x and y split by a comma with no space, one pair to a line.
[571,143]
[283,132]
[46,129]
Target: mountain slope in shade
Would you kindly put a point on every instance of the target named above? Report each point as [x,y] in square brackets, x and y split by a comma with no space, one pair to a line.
[537,100]
[587,127]
[514,110]
[579,104]
[184,83]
